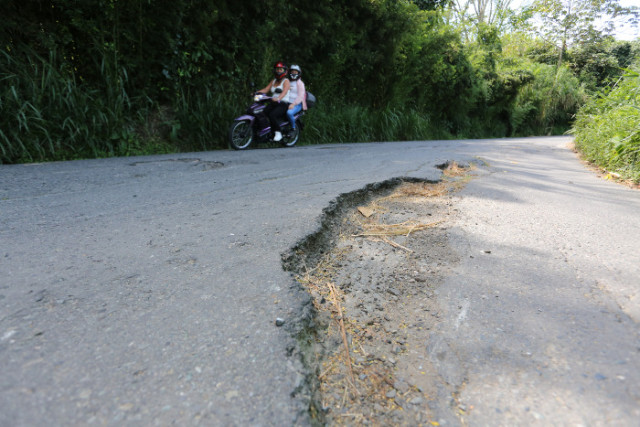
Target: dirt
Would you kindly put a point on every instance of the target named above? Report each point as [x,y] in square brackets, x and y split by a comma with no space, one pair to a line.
[371,271]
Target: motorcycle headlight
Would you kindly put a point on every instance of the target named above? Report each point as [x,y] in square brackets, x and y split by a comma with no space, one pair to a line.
[256,98]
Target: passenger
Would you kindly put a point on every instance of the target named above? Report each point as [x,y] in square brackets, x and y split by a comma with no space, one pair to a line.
[297,94]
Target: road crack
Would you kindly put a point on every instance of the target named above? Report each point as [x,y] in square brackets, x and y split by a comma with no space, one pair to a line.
[371,271]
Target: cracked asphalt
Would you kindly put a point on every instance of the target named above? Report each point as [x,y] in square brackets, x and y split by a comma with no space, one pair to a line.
[145,290]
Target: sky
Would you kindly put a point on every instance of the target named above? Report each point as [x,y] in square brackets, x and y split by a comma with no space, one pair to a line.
[622,32]
[628,33]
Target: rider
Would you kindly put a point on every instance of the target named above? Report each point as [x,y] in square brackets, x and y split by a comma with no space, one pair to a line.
[297,94]
[277,109]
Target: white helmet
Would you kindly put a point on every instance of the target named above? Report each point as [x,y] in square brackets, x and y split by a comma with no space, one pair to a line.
[294,76]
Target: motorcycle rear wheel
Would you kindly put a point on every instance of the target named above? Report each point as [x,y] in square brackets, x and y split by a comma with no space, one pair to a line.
[290,138]
[240,135]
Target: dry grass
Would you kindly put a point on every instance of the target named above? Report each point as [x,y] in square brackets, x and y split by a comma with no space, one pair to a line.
[421,190]
[396,245]
[400,229]
[454,170]
[344,382]
[414,191]
[343,333]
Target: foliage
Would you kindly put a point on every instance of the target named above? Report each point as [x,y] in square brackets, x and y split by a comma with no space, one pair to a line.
[474,16]
[46,113]
[190,66]
[602,61]
[496,85]
[564,23]
[607,129]
[109,77]
[431,4]
[353,123]
[549,102]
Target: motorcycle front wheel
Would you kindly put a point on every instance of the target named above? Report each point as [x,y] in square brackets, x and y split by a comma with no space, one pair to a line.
[240,135]
[290,137]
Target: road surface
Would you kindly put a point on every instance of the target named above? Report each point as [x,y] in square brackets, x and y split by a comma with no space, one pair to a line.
[144,291]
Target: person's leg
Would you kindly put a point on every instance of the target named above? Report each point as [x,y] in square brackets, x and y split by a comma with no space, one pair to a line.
[292,112]
[275,113]
[268,110]
[278,111]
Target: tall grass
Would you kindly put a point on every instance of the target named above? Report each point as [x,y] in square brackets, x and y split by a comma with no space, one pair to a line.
[46,113]
[352,123]
[607,129]
[203,116]
[546,105]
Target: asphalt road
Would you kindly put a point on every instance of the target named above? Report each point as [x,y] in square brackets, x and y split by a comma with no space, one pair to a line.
[142,291]
[540,319]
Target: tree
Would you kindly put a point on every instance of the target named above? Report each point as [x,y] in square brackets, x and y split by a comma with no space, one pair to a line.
[601,62]
[431,4]
[471,16]
[563,23]
[490,12]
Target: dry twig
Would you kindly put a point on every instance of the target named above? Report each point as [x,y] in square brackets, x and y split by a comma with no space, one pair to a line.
[334,296]
[401,229]
[396,245]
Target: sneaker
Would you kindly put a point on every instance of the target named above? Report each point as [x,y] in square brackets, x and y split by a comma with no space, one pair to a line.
[277,137]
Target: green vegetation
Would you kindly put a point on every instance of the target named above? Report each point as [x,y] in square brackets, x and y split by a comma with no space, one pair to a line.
[607,128]
[112,77]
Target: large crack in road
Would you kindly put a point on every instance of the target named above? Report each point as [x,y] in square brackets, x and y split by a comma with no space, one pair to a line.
[371,271]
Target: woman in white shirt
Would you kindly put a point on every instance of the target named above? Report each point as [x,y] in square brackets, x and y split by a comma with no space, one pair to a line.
[280,104]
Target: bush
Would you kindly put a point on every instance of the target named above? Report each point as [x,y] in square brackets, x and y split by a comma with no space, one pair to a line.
[607,129]
[549,102]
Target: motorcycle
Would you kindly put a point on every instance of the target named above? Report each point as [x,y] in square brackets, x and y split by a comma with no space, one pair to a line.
[254,126]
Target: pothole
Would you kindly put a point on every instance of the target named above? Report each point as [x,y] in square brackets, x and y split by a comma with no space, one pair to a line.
[371,271]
